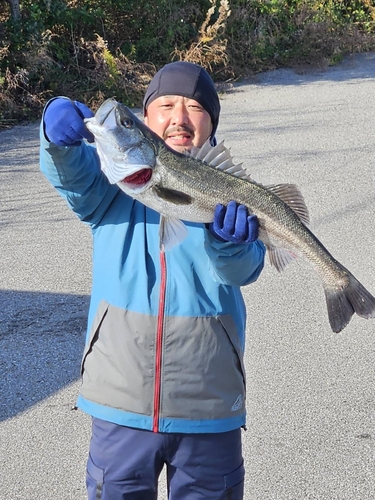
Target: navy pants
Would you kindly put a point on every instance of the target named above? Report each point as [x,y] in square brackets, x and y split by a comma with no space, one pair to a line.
[125,463]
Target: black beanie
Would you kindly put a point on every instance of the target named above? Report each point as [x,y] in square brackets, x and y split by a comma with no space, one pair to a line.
[187,80]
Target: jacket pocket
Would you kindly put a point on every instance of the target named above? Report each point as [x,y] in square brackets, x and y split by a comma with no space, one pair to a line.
[118,363]
[229,327]
[203,374]
[94,332]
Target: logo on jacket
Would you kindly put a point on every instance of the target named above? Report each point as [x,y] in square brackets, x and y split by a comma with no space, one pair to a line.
[238,403]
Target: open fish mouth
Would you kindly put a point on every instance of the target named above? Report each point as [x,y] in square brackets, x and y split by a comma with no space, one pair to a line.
[138,178]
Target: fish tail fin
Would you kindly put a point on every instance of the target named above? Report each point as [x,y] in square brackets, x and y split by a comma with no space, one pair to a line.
[343,303]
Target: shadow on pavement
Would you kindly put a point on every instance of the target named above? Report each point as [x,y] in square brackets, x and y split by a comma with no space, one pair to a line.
[41,342]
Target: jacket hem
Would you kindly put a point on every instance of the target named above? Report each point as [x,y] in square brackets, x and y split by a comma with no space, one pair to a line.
[167,425]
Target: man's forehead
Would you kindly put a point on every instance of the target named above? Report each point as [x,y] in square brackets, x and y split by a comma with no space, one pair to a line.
[176,97]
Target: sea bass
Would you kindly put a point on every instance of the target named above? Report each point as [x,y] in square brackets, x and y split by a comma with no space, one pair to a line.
[188,187]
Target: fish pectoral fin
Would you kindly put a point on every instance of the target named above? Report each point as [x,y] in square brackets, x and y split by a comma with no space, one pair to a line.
[172,232]
[172,195]
[291,196]
[279,257]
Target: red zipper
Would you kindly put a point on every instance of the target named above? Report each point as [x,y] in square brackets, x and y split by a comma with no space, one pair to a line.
[159,342]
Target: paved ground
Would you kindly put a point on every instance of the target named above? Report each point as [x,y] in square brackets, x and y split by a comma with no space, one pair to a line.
[311,396]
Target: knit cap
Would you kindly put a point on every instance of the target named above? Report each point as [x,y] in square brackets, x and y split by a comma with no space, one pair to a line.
[187,80]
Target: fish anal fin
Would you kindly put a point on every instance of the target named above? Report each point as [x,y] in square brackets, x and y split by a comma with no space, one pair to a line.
[172,195]
[291,196]
[279,257]
[172,232]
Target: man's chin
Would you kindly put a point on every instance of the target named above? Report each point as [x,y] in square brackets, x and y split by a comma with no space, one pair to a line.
[182,149]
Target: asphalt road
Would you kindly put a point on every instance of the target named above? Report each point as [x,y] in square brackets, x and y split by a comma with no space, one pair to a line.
[311,393]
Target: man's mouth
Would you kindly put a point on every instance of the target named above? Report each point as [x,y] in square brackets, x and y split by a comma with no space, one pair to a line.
[178,135]
[140,177]
[179,143]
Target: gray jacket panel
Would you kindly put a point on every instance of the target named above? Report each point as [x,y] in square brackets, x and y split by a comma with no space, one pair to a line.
[202,372]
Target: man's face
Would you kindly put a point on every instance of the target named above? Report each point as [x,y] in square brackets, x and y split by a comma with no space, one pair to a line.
[180,121]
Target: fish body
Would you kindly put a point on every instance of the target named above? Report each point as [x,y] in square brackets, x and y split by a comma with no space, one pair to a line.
[188,188]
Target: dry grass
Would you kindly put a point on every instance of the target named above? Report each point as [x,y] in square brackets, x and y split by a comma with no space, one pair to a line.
[112,75]
[210,49]
[235,38]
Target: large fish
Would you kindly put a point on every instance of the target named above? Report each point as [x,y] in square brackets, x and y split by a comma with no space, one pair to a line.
[188,187]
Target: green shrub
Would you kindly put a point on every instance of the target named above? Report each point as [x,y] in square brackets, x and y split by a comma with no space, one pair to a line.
[94,49]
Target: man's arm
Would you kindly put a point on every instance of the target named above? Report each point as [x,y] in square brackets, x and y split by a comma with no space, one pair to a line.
[71,165]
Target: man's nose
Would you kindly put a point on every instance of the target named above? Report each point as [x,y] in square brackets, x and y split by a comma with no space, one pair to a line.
[180,115]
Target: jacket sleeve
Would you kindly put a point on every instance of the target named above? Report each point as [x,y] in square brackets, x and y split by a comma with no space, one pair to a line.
[75,172]
[235,265]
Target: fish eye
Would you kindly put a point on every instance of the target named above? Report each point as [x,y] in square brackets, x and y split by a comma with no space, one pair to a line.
[127,122]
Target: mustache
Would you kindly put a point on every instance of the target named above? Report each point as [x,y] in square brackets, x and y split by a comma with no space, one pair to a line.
[179,128]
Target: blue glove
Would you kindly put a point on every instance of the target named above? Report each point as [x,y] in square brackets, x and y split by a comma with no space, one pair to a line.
[233,224]
[63,122]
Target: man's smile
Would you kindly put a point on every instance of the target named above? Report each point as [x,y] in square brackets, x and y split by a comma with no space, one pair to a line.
[179,137]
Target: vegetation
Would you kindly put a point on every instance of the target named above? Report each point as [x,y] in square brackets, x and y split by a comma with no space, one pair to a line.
[94,49]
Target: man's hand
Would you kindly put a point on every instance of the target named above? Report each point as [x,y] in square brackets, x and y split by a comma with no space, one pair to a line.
[233,224]
[63,122]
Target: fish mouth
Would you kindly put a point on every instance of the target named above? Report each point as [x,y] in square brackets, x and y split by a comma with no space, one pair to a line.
[138,178]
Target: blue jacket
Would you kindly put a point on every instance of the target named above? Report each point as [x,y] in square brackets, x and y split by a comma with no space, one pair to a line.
[166,331]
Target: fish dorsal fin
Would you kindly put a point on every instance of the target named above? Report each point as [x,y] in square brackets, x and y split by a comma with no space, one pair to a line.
[202,152]
[291,196]
[218,157]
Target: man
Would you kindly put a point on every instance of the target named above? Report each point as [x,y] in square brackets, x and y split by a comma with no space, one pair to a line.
[162,371]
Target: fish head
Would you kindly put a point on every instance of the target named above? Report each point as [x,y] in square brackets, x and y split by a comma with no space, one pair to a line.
[127,156]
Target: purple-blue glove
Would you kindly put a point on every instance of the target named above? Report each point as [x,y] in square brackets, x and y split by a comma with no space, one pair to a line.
[63,122]
[232,223]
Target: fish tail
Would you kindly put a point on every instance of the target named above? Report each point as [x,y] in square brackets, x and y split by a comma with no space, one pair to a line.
[344,302]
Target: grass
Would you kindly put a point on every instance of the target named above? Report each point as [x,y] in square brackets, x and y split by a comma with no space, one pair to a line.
[85,55]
